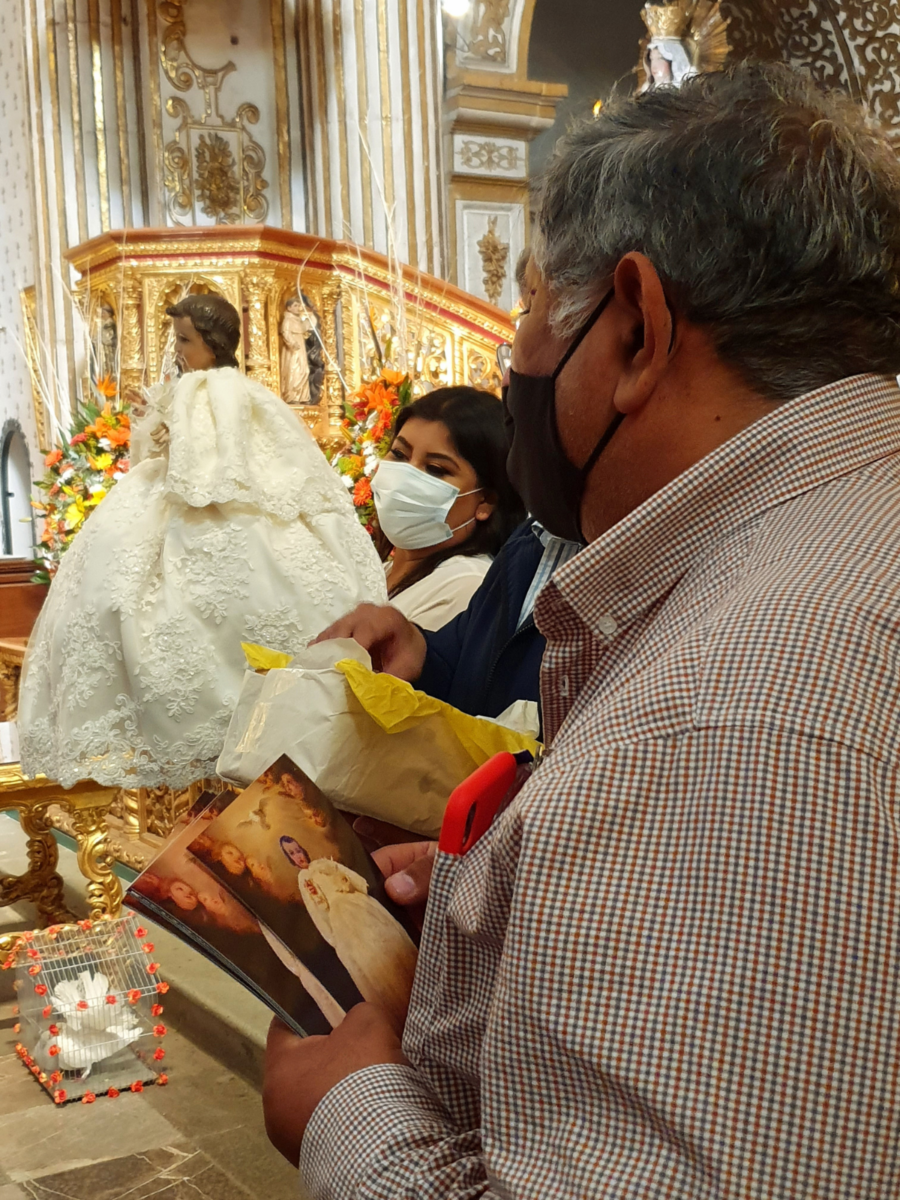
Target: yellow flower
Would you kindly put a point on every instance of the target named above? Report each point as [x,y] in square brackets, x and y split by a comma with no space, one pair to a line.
[101,462]
[74,514]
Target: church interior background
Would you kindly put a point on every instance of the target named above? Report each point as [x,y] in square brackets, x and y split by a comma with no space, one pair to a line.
[368,158]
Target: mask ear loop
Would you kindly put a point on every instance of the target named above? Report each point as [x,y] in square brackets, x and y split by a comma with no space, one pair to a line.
[583,332]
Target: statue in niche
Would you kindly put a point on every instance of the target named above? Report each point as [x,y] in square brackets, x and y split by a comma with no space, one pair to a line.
[106,344]
[683,39]
[302,356]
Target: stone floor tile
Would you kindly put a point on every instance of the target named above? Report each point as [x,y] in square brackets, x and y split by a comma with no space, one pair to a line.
[11,1191]
[170,1172]
[45,1140]
[253,1162]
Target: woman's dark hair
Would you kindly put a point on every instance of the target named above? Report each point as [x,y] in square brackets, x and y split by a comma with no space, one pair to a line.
[217,322]
[474,420]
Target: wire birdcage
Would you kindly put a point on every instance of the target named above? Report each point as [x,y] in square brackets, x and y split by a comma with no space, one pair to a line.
[89,999]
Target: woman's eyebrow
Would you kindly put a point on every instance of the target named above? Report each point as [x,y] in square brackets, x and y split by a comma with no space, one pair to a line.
[444,458]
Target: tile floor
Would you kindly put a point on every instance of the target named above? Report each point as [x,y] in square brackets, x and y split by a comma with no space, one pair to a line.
[200,1137]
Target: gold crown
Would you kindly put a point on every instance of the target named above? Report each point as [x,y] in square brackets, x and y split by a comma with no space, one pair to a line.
[668,20]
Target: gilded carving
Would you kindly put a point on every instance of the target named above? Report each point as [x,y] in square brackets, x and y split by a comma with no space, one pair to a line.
[489,156]
[494,260]
[854,45]
[95,861]
[217,183]
[33,353]
[41,883]
[211,164]
[488,35]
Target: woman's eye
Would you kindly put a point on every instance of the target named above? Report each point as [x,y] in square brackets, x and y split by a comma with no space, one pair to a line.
[440,472]
[396,454]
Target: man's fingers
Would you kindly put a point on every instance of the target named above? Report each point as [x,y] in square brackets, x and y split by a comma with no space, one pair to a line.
[410,886]
[399,857]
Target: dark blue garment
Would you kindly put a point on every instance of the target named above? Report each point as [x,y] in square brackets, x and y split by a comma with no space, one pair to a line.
[479,662]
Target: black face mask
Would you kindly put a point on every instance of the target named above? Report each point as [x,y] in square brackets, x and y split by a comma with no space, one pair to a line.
[550,485]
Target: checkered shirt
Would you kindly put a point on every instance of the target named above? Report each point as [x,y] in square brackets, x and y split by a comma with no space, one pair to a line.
[672,968]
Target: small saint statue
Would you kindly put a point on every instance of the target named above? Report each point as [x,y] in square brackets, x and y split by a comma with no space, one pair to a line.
[298,327]
[685,38]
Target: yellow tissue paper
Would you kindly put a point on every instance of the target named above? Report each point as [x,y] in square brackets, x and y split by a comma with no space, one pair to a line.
[260,658]
[395,706]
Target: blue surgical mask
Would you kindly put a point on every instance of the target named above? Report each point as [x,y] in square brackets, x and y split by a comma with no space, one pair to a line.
[412,506]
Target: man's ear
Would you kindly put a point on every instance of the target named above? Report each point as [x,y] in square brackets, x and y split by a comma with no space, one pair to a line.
[647,329]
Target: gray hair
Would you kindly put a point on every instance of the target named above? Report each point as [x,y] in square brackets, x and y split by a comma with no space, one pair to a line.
[769,208]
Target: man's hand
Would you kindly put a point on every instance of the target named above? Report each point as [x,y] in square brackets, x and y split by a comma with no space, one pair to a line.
[406,867]
[397,647]
[300,1071]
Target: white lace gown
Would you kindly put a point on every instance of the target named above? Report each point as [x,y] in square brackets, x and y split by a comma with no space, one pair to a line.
[236,530]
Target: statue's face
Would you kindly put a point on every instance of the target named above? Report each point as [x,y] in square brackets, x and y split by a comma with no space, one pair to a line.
[191,351]
[660,67]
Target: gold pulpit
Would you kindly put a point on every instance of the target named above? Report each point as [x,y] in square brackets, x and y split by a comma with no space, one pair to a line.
[368,310]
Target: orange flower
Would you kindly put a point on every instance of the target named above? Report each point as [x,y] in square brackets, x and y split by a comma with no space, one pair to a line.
[53,1051]
[40,989]
[59,1096]
[159,1054]
[156,1010]
[362,493]
[118,437]
[137,1086]
[107,386]
[53,1030]
[133,995]
[394,378]
[162,1080]
[113,1093]
[140,932]
[148,947]
[159,1031]
[88,1098]
[45,1013]
[162,988]
[56,1078]
[110,1000]
[152,968]
[53,458]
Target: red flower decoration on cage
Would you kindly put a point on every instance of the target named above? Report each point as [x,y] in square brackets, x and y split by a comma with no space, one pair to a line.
[85,925]
[59,1096]
[82,1005]
[53,1030]
[159,1031]
[162,988]
[28,1060]
[53,1051]
[34,969]
[148,947]
[133,994]
[140,932]
[162,1079]
[88,1098]
[110,999]
[137,1086]
[45,1012]
[159,1054]
[28,936]
[113,1093]
[41,989]
[20,1050]
[53,931]
[152,968]
[17,1028]
[56,1078]
[156,1010]
[35,1070]
[32,953]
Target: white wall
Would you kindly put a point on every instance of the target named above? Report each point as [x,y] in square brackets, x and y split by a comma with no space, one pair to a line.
[17,257]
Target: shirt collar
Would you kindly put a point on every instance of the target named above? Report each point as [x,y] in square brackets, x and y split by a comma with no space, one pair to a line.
[796,447]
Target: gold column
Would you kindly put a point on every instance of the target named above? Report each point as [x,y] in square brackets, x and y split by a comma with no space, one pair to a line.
[131,371]
[333,392]
[258,286]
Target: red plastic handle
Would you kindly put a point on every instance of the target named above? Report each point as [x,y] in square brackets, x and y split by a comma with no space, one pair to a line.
[474,804]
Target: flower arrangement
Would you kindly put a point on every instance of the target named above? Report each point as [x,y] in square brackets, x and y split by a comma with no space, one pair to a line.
[79,474]
[367,425]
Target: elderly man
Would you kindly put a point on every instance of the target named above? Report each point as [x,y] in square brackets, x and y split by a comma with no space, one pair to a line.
[672,966]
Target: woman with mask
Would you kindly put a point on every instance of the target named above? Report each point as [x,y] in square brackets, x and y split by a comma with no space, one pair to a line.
[444,502]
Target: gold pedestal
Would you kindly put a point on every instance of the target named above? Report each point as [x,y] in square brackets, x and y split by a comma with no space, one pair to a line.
[87,806]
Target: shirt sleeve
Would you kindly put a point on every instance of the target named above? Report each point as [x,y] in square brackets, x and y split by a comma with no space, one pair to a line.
[406,1148]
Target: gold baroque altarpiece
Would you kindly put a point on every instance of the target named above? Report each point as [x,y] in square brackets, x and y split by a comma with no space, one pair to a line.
[450,337]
